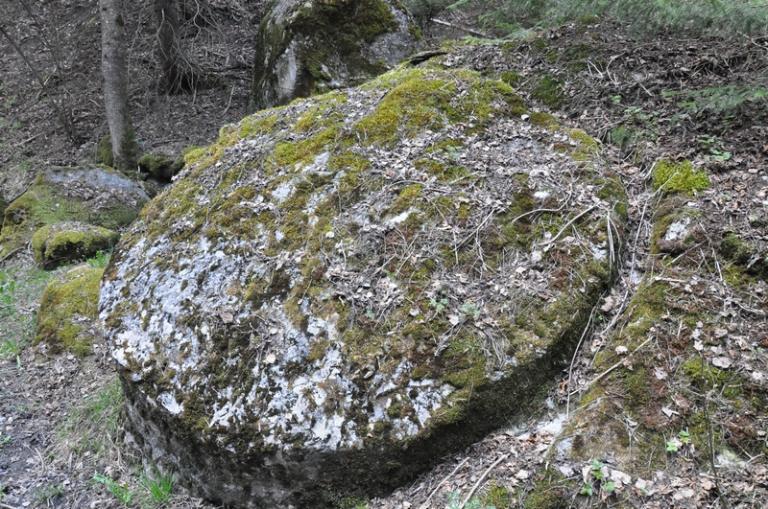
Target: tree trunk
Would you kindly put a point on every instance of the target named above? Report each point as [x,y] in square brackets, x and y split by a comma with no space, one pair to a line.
[116,85]
[178,75]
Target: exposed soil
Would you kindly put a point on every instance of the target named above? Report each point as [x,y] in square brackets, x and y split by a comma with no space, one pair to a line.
[635,96]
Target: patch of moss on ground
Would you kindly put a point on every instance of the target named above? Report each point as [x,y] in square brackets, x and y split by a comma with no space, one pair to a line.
[679,177]
[545,120]
[548,90]
[497,496]
[549,491]
[66,302]
[706,377]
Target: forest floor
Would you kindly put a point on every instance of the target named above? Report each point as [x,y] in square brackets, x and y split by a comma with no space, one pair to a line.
[698,99]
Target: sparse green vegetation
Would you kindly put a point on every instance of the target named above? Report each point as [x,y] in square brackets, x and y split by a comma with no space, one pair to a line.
[93,427]
[645,18]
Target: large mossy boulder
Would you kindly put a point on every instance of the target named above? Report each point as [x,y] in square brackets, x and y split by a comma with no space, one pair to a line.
[310,46]
[342,290]
[67,242]
[89,195]
[68,309]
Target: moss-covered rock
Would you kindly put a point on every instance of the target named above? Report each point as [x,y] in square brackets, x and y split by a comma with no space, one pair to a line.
[342,290]
[95,196]
[66,242]
[160,166]
[68,309]
[305,47]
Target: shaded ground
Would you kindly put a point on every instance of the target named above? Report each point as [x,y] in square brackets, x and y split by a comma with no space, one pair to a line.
[61,40]
[667,400]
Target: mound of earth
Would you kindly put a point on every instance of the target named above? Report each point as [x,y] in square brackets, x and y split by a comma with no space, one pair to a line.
[306,47]
[90,195]
[344,289]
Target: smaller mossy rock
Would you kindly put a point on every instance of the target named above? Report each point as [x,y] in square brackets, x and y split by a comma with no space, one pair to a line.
[681,177]
[306,47]
[160,166]
[68,309]
[60,243]
[90,195]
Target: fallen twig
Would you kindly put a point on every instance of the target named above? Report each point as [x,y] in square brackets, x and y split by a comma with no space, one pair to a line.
[609,370]
[457,27]
[441,483]
[482,480]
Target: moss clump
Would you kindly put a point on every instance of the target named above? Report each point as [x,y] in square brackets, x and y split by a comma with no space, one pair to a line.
[427,99]
[61,243]
[497,496]
[66,307]
[545,120]
[160,166]
[706,377]
[613,192]
[256,125]
[511,78]
[549,91]
[104,151]
[549,492]
[407,198]
[587,147]
[306,150]
[679,177]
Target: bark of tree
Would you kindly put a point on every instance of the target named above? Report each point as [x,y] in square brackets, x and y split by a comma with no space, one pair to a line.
[178,74]
[113,68]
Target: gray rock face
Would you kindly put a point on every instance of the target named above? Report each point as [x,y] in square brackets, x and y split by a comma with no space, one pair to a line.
[344,289]
[309,46]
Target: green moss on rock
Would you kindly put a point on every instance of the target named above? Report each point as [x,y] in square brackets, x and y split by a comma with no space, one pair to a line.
[61,243]
[68,306]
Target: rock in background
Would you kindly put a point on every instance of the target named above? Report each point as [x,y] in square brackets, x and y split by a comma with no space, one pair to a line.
[90,195]
[67,242]
[305,47]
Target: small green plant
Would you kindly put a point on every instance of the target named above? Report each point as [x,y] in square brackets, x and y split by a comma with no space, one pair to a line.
[438,305]
[682,439]
[99,260]
[470,309]
[119,491]
[47,494]
[597,481]
[4,439]
[159,487]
